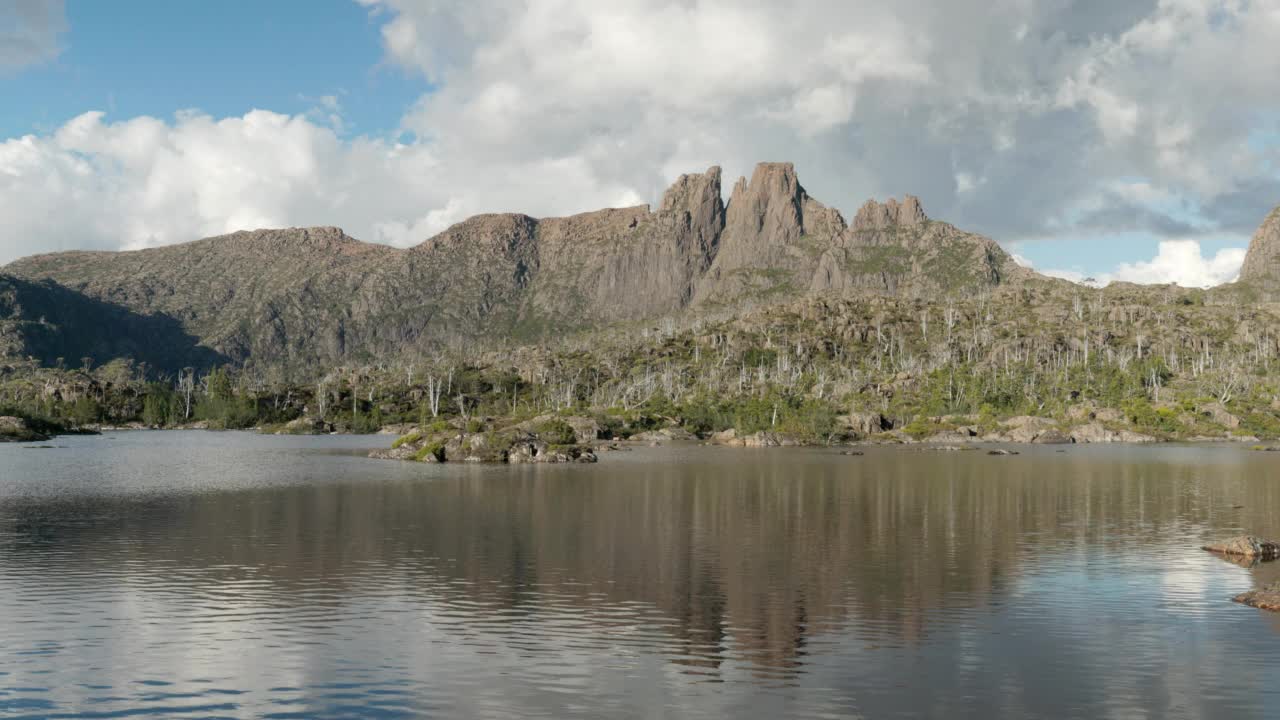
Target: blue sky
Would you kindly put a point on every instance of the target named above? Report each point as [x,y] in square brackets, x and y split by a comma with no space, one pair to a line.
[155,57]
[140,123]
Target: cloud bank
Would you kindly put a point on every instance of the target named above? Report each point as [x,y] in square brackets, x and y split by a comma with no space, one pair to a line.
[29,32]
[1017,119]
[1181,262]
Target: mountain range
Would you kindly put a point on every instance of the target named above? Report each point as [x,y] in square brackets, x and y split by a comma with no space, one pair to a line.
[303,299]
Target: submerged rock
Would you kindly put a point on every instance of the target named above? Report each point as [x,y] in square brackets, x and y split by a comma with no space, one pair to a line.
[1246,546]
[1002,451]
[1267,598]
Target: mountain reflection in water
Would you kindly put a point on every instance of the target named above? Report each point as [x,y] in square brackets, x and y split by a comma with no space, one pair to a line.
[235,575]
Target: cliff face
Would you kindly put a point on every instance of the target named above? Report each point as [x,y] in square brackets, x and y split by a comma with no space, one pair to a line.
[626,264]
[895,248]
[778,241]
[1262,261]
[299,299]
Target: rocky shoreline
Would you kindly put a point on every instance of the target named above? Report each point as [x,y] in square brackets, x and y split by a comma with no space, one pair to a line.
[575,438]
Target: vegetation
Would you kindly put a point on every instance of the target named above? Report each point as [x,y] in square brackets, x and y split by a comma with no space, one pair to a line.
[1163,361]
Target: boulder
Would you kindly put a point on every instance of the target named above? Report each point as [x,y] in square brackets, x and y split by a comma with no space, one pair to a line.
[761,439]
[1108,415]
[1096,432]
[959,435]
[1025,429]
[869,423]
[306,426]
[665,435]
[527,451]
[726,437]
[586,429]
[1246,546]
[1218,413]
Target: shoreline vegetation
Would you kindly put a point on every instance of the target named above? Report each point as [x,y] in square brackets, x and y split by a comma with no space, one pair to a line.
[1040,363]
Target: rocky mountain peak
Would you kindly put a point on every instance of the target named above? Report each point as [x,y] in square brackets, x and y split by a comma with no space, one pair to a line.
[490,230]
[878,216]
[692,192]
[1262,262]
[771,204]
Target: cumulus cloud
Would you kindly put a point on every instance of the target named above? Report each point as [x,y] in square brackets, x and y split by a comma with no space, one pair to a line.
[145,182]
[1181,262]
[29,31]
[1010,118]
[1017,119]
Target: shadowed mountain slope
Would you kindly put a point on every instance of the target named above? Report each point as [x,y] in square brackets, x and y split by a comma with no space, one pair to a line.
[55,325]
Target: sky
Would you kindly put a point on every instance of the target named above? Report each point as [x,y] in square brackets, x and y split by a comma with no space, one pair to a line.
[1105,139]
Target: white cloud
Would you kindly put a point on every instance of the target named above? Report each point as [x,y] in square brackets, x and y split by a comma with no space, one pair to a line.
[29,31]
[1181,262]
[145,182]
[1010,120]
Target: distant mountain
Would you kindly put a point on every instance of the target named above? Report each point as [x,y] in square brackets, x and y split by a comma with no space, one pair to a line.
[305,298]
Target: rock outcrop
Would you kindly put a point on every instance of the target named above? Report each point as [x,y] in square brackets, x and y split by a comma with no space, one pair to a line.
[1246,546]
[876,216]
[1262,261]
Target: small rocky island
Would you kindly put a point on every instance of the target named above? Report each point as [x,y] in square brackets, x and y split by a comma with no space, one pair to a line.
[544,439]
[1252,549]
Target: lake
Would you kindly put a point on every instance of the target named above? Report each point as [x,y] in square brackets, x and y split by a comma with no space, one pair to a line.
[201,574]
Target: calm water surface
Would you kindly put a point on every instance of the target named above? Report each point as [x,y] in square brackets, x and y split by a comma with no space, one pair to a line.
[231,575]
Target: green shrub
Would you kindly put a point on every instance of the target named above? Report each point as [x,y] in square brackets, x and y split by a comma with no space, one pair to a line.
[435,450]
[412,437]
[556,432]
